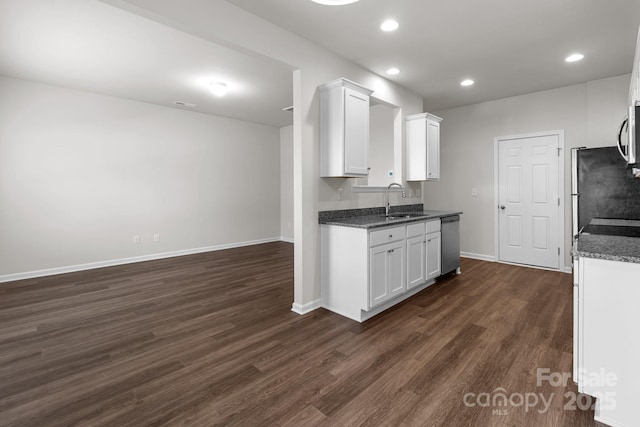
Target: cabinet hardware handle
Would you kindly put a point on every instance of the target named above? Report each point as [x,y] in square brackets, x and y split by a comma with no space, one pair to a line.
[391,236]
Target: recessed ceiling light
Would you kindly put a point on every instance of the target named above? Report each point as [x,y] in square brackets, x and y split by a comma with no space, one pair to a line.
[218,89]
[393,71]
[467,82]
[334,2]
[389,25]
[574,57]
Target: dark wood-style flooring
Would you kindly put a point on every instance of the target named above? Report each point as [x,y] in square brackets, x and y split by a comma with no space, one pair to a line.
[210,339]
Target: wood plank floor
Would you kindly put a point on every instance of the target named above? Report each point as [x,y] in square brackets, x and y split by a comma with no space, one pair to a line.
[209,339]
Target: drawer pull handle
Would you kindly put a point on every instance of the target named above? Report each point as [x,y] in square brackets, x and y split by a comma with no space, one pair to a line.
[391,236]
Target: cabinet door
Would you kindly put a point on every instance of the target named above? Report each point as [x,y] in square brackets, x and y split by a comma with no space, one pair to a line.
[397,265]
[433,150]
[356,133]
[416,150]
[434,252]
[386,272]
[416,256]
[378,275]
[609,295]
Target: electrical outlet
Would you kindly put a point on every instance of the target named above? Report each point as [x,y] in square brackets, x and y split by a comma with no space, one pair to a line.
[418,192]
[474,192]
[156,237]
[340,193]
[136,239]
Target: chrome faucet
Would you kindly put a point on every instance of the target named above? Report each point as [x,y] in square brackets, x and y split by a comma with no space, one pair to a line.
[387,204]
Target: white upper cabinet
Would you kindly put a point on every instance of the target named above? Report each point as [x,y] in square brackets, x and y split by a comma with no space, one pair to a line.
[344,129]
[423,147]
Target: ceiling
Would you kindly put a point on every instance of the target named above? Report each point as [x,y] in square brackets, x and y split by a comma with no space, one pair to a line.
[89,45]
[508,47]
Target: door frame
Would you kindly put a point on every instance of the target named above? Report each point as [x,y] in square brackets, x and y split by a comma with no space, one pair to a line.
[496,194]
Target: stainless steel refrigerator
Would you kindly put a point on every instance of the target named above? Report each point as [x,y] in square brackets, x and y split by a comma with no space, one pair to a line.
[605,194]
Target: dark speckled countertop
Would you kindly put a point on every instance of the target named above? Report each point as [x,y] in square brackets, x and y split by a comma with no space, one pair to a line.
[369,218]
[613,248]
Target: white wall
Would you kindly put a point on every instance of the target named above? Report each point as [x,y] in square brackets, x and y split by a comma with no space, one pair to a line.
[81,173]
[225,23]
[286,183]
[589,113]
[381,145]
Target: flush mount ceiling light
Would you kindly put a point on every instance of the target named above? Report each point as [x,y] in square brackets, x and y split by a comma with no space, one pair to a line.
[389,25]
[218,89]
[334,2]
[393,71]
[574,57]
[467,82]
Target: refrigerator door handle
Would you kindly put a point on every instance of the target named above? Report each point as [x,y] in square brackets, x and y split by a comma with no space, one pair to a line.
[574,191]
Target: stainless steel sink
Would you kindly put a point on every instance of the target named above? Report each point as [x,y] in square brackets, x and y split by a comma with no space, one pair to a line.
[405,215]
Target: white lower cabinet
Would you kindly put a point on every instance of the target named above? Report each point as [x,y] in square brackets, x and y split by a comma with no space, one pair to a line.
[434,249]
[424,251]
[433,255]
[606,351]
[416,255]
[416,268]
[386,272]
[365,272]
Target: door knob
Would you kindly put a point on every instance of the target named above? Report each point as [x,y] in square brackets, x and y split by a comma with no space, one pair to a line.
[502,207]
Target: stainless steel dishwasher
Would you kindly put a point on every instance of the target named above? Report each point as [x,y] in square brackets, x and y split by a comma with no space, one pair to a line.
[451,244]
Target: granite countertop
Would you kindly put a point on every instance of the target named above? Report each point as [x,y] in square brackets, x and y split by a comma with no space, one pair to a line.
[613,248]
[369,218]
[610,239]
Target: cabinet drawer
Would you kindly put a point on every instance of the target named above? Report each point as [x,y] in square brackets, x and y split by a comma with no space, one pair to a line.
[433,226]
[415,229]
[387,235]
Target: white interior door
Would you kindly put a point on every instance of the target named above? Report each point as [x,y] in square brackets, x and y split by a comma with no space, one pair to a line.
[529,200]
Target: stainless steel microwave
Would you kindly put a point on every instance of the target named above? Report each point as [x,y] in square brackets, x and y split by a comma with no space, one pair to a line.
[629,148]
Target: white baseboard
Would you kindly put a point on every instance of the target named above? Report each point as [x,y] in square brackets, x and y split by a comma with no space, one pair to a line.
[491,258]
[306,308]
[481,257]
[537,267]
[286,239]
[130,260]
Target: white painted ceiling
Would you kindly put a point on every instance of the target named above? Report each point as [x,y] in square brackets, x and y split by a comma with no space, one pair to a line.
[509,47]
[89,45]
